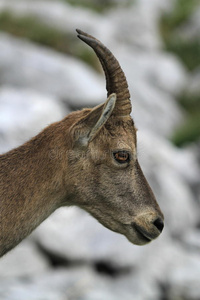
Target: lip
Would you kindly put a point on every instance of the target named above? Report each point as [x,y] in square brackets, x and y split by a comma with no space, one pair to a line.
[142,235]
[138,236]
[150,234]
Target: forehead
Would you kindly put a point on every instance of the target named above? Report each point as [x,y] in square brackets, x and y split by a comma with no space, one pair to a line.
[119,134]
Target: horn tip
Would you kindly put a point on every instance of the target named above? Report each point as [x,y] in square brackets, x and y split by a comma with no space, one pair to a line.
[79,31]
[88,40]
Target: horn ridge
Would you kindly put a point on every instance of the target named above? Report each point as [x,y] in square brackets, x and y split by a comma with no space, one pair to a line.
[81,35]
[115,77]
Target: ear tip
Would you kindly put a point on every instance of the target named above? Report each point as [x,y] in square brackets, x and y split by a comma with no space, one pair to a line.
[110,102]
[113,96]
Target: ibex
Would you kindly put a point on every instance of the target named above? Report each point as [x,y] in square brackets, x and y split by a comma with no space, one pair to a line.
[87,159]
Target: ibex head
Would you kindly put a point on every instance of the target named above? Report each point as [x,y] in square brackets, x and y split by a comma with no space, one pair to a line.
[95,167]
[113,188]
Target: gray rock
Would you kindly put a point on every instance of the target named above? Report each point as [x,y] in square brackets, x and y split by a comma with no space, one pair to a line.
[190,30]
[161,70]
[193,88]
[79,283]
[174,268]
[65,17]
[142,25]
[61,15]
[25,65]
[25,260]
[23,113]
[137,25]
[156,6]
[183,282]
[154,110]
[191,240]
[164,152]
[74,235]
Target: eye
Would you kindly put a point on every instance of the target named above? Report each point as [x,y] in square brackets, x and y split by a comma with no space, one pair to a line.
[121,157]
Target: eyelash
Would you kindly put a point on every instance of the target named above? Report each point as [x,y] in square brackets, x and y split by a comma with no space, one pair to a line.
[121,157]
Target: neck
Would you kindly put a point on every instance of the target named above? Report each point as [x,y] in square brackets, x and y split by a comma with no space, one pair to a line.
[31,186]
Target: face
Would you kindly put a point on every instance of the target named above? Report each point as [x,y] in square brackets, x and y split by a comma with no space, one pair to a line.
[113,188]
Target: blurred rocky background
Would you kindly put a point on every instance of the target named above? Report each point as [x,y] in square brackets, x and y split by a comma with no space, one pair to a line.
[46,72]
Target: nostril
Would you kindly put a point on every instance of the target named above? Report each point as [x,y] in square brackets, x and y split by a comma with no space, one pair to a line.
[159,224]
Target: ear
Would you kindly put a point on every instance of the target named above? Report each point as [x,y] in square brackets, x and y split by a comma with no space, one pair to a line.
[87,128]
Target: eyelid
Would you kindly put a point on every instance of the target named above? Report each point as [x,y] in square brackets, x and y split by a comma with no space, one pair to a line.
[122,161]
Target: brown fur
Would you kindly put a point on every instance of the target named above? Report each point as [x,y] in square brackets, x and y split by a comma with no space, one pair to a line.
[50,171]
[72,162]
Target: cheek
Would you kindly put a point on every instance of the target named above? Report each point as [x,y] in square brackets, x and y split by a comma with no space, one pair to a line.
[107,185]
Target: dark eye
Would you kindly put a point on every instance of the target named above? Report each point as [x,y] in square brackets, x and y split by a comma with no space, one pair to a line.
[121,157]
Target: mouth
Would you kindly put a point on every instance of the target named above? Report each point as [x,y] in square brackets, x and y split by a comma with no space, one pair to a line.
[135,236]
[145,228]
[142,235]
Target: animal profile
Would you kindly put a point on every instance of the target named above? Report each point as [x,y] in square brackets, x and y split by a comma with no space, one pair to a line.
[88,159]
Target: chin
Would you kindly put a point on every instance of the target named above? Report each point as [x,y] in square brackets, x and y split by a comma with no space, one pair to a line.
[138,240]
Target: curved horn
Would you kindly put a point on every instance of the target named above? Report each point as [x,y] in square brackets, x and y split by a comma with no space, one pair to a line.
[115,78]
